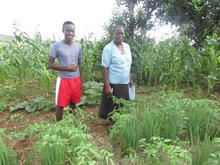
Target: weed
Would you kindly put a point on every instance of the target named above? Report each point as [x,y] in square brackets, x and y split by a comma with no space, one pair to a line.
[16,117]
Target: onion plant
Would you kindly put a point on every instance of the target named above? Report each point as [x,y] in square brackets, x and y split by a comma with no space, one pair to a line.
[170,116]
[7,155]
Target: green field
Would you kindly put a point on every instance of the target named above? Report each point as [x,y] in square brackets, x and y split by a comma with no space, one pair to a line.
[174,119]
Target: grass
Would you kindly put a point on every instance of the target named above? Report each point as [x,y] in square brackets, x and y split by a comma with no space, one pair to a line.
[7,155]
[168,115]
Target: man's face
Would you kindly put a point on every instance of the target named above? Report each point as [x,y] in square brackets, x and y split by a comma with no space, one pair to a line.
[119,35]
[69,32]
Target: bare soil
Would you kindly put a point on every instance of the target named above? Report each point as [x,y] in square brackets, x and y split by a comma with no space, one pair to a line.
[22,147]
[99,129]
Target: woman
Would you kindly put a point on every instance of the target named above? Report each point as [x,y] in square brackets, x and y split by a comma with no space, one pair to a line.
[116,66]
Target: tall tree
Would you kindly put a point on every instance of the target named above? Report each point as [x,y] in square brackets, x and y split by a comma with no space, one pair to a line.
[135,15]
[200,18]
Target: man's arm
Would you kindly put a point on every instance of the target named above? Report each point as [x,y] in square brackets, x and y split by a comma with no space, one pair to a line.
[80,71]
[52,65]
[80,68]
[108,89]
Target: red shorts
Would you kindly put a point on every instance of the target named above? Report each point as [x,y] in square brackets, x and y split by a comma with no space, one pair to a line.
[68,90]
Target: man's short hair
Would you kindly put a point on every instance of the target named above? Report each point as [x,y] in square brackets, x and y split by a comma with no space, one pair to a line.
[66,23]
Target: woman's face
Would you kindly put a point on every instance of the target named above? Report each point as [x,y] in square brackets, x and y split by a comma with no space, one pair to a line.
[119,35]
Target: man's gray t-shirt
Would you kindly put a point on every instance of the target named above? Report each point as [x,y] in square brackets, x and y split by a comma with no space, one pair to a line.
[66,55]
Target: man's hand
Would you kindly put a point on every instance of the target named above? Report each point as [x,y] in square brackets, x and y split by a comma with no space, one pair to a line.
[83,87]
[72,68]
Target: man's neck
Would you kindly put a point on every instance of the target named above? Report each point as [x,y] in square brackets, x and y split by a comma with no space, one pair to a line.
[68,42]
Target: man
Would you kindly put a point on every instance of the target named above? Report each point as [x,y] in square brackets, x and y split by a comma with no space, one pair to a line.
[69,55]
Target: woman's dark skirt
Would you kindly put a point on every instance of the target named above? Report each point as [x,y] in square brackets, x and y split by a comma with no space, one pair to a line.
[107,105]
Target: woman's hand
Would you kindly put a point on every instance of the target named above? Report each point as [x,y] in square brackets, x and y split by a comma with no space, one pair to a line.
[108,90]
[131,83]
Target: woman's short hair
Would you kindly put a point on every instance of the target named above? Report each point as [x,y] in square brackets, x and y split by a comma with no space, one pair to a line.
[117,26]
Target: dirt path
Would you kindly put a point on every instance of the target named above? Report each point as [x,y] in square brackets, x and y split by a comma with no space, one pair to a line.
[99,129]
[25,146]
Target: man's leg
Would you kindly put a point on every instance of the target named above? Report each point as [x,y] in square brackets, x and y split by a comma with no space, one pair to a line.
[59,113]
[72,106]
